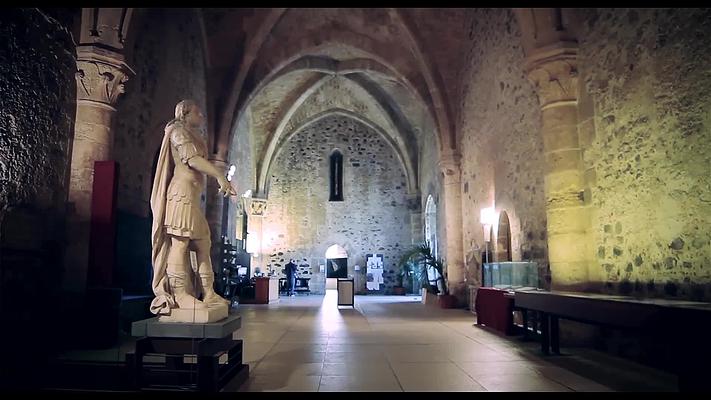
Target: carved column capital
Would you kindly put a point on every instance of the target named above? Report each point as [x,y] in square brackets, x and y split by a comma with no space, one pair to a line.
[100,75]
[414,202]
[554,73]
[257,207]
[449,162]
[450,166]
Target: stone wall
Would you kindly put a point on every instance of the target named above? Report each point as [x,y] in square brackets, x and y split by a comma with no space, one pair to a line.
[37,109]
[500,142]
[37,106]
[167,55]
[373,218]
[647,74]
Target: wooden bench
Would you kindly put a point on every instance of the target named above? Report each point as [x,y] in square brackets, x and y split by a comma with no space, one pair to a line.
[683,326]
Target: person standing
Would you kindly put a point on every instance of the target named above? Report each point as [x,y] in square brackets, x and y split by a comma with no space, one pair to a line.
[291,276]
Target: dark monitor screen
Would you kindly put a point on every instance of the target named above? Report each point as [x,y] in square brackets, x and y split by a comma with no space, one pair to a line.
[336,268]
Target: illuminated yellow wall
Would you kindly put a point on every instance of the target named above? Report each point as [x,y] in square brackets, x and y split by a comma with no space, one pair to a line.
[649,154]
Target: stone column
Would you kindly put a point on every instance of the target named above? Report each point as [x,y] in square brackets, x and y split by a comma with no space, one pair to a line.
[416,228]
[553,71]
[100,76]
[256,208]
[414,206]
[450,167]
[214,209]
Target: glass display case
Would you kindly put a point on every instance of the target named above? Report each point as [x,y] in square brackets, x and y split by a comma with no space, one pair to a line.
[511,275]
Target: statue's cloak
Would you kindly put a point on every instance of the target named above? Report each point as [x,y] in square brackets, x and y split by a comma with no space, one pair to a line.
[160,240]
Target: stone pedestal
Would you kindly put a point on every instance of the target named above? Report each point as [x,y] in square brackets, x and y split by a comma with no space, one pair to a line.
[199,316]
[217,356]
[154,327]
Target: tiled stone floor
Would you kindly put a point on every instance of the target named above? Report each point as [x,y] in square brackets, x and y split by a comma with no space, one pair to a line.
[395,343]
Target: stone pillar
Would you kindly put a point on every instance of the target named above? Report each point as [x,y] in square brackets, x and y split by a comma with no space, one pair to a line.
[414,205]
[450,167]
[553,71]
[100,76]
[416,228]
[256,208]
[214,209]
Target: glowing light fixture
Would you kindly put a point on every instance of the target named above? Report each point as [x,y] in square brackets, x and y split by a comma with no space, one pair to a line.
[231,172]
[488,218]
[252,243]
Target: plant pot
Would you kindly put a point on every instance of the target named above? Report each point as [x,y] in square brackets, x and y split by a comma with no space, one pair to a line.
[429,299]
[399,290]
[447,301]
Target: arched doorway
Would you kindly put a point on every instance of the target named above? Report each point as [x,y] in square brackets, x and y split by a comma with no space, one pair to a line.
[431,224]
[431,240]
[503,239]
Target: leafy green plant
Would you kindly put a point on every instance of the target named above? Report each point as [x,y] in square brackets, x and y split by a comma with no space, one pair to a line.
[405,270]
[419,259]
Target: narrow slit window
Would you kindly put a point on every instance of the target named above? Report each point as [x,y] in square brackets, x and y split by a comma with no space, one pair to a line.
[336,177]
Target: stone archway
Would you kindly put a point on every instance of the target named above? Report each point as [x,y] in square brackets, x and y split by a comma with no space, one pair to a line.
[503,239]
[431,238]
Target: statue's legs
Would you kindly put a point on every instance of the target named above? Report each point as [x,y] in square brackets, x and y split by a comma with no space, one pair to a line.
[207,275]
[177,272]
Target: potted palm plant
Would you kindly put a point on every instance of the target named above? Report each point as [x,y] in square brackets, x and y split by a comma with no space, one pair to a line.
[404,271]
[422,255]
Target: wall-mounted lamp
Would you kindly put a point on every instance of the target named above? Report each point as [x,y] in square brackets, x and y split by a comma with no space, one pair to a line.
[252,244]
[487,218]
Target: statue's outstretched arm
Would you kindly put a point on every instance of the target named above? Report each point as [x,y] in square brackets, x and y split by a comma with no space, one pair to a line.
[206,167]
[190,155]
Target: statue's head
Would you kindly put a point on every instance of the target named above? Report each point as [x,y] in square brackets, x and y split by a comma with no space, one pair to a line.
[189,112]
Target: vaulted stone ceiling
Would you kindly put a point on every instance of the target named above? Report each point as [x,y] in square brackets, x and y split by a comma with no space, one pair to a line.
[299,65]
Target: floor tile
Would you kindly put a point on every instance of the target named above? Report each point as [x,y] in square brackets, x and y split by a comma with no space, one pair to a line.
[520,382]
[443,376]
[392,343]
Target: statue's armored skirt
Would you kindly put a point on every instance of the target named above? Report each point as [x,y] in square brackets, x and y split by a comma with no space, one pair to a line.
[183,215]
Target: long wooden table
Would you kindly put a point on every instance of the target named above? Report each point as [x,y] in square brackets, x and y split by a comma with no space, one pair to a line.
[684,326]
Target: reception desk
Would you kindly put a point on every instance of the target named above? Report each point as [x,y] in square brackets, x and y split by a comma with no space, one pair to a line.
[266,291]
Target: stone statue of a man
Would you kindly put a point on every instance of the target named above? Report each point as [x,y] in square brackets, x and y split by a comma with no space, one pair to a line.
[179,225]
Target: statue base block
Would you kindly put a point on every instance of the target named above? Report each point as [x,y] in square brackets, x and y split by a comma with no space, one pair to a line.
[196,316]
[218,355]
[154,327]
